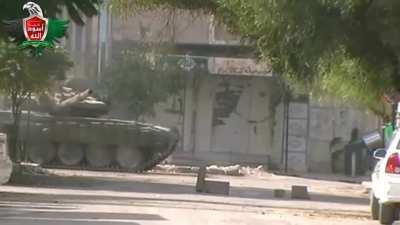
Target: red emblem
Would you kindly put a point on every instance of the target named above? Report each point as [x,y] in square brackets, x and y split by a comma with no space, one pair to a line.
[35,28]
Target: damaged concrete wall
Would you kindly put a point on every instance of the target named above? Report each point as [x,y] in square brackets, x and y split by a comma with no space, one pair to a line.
[242,118]
[239,119]
[231,119]
[311,128]
[329,120]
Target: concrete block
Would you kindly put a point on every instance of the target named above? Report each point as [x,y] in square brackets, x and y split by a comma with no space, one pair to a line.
[210,186]
[5,162]
[300,192]
[279,193]
[5,171]
[217,187]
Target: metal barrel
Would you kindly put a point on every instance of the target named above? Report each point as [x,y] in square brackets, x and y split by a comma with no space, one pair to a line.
[373,140]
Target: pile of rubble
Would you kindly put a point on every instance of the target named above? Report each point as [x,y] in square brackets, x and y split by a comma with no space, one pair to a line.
[235,170]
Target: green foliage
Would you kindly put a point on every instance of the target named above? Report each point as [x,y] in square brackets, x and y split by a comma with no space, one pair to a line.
[21,74]
[344,76]
[128,7]
[140,79]
[349,48]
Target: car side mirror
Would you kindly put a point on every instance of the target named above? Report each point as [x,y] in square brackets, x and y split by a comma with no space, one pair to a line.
[380,153]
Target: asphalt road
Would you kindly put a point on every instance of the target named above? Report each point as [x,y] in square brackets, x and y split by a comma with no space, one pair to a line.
[120,199]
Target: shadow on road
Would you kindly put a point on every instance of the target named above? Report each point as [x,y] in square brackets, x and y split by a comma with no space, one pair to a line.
[22,212]
[219,204]
[65,215]
[53,222]
[133,186]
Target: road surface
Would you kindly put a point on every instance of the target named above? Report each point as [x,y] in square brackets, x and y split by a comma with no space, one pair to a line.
[98,198]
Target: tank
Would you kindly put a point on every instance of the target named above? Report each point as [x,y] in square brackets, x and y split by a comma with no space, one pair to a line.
[71,134]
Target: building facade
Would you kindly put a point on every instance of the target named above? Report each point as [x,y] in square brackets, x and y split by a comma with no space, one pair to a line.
[235,111]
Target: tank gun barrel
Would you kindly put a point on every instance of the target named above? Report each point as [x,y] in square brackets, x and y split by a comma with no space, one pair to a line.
[64,106]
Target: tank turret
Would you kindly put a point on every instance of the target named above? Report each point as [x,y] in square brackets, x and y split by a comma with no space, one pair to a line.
[70,103]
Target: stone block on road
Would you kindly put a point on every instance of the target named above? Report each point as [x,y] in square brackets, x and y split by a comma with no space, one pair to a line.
[300,192]
[217,187]
[279,193]
[201,179]
[210,186]
[5,162]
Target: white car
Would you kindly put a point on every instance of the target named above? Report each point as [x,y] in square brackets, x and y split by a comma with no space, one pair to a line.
[385,189]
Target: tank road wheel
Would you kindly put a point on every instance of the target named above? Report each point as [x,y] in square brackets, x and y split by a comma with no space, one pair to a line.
[99,155]
[129,157]
[41,153]
[70,154]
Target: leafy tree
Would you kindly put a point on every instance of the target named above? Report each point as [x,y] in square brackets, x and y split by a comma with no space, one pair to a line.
[141,77]
[343,47]
[22,76]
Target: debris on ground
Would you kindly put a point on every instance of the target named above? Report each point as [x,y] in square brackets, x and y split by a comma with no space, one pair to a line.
[234,170]
[252,171]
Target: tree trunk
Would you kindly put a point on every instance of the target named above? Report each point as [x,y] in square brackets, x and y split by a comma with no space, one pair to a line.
[14,151]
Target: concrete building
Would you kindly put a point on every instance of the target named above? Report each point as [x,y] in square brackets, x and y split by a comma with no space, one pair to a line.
[235,111]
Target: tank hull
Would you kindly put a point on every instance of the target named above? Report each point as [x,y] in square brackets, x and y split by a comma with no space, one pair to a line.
[93,143]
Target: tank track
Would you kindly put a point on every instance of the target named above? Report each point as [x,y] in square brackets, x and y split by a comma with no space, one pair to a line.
[161,156]
[146,166]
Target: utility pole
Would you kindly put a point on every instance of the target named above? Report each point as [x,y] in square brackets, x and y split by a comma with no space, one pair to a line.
[103,32]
